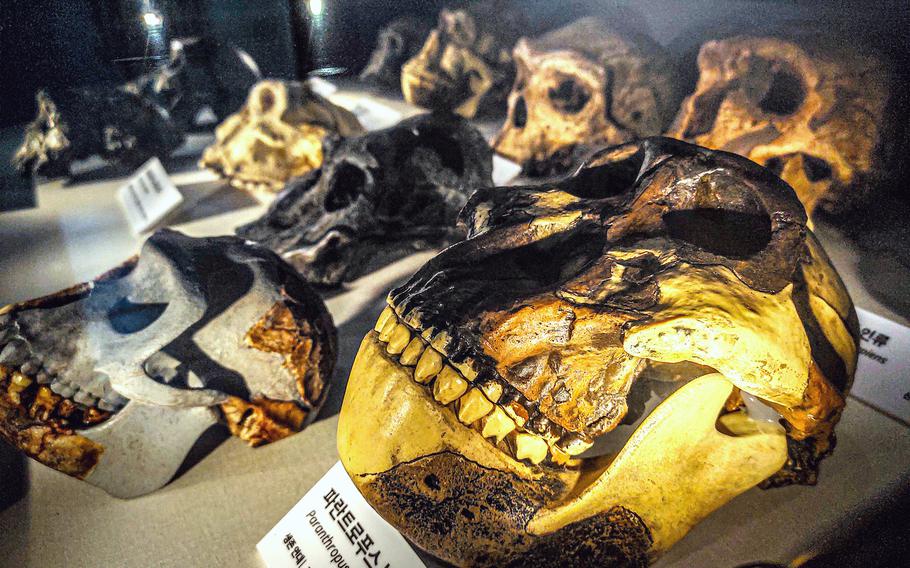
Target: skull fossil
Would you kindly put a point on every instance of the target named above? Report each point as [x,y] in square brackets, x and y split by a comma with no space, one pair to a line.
[378,197]
[582,86]
[276,136]
[397,42]
[667,301]
[114,380]
[811,112]
[464,65]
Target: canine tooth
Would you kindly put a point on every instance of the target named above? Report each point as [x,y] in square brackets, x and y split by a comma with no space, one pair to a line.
[449,385]
[85,398]
[14,354]
[429,365]
[492,389]
[573,444]
[386,332]
[530,447]
[412,352]
[384,318]
[497,424]
[399,339]
[517,413]
[473,406]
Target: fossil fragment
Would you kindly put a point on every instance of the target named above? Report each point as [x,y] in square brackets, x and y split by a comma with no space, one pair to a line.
[378,197]
[114,380]
[811,111]
[465,64]
[278,135]
[397,43]
[584,86]
[659,271]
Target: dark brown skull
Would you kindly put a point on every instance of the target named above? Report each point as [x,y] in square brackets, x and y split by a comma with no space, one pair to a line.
[666,301]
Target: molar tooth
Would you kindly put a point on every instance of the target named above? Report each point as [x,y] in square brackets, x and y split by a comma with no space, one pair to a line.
[107,406]
[428,333]
[497,424]
[383,318]
[412,352]
[429,365]
[399,339]
[492,389]
[574,444]
[449,385]
[85,398]
[530,447]
[440,341]
[517,413]
[43,377]
[15,353]
[467,370]
[473,406]
[62,388]
[31,367]
[386,332]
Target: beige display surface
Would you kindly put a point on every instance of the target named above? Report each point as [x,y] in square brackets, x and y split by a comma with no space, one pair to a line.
[215,512]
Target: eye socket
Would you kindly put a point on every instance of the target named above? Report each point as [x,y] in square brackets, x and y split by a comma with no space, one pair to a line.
[126,317]
[785,95]
[396,45]
[606,180]
[348,183]
[816,169]
[724,232]
[520,114]
[569,96]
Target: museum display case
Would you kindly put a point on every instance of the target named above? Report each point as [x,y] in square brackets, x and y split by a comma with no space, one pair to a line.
[551,284]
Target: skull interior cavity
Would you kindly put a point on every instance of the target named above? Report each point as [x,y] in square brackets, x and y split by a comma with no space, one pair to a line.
[465,64]
[377,197]
[811,112]
[114,380]
[583,86]
[666,301]
[397,42]
[276,136]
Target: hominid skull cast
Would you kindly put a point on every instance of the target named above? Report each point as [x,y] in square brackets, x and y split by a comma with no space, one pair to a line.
[397,43]
[114,380]
[584,86]
[377,197]
[666,302]
[278,135]
[811,112]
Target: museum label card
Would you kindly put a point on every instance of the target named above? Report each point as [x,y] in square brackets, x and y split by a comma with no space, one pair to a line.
[883,371]
[334,526]
[149,196]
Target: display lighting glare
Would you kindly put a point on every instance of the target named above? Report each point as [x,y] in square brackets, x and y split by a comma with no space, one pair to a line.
[152,19]
[315,7]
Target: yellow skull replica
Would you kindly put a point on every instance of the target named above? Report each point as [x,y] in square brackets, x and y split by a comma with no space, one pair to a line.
[810,112]
[666,302]
[584,86]
[278,135]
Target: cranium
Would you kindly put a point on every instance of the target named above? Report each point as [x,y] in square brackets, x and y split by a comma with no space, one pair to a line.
[378,197]
[666,301]
[464,65]
[276,136]
[584,86]
[397,42]
[114,380]
[813,114]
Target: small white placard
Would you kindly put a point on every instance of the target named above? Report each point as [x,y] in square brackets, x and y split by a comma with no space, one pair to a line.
[148,196]
[321,87]
[374,115]
[883,372]
[334,526]
[504,170]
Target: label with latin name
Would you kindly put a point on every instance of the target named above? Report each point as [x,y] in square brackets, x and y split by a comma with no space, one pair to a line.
[883,371]
[334,526]
[149,196]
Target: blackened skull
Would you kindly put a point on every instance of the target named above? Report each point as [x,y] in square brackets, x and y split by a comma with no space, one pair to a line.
[114,380]
[666,301]
[377,197]
[397,42]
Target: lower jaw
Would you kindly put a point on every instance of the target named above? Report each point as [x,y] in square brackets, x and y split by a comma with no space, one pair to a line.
[456,495]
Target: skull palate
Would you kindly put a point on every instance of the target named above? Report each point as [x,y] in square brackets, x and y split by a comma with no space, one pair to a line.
[568,305]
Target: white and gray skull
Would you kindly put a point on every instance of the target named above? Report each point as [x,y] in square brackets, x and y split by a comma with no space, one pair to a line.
[397,42]
[377,197]
[114,380]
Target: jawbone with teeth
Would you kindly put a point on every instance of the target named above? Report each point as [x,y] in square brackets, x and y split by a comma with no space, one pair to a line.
[506,413]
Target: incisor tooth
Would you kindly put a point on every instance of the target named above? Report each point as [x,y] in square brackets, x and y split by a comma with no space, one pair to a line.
[383,318]
[493,390]
[412,352]
[497,424]
[399,339]
[473,406]
[530,447]
[429,365]
[387,328]
[449,385]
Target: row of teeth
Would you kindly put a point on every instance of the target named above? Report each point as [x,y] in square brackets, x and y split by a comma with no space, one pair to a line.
[16,355]
[480,406]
